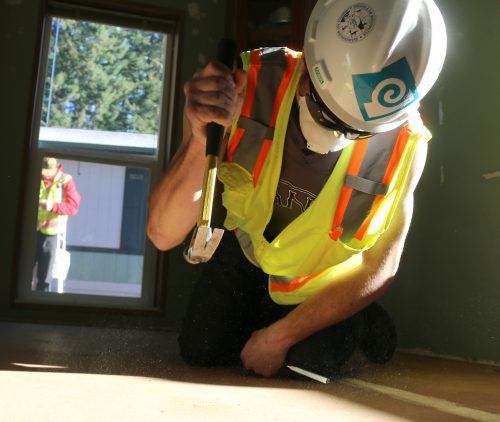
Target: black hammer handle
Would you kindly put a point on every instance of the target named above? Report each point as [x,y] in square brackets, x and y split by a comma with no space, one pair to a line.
[226,53]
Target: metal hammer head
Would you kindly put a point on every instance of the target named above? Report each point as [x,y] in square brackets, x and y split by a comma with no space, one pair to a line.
[203,244]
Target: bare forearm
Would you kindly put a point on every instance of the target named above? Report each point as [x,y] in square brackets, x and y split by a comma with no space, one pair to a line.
[348,295]
[214,94]
[174,202]
[266,350]
[333,304]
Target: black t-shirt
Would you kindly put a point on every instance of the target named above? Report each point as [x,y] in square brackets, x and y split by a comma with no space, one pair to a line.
[303,175]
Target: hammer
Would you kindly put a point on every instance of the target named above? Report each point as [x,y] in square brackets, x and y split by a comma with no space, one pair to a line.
[204,240]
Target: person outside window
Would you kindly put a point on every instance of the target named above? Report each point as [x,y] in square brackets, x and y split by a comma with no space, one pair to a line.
[58,199]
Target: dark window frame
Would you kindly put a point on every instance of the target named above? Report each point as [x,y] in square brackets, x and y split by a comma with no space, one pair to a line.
[114,12]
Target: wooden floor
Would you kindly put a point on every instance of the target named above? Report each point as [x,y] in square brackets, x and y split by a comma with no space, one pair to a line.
[63,373]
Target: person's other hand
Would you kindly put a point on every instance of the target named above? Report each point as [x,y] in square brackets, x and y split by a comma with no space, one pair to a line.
[262,354]
[214,94]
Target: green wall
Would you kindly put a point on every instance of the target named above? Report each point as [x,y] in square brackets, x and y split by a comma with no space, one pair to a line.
[446,298]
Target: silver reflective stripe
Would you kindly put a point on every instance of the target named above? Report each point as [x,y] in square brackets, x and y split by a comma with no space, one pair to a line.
[260,130]
[372,171]
[366,186]
[274,64]
[246,245]
[281,279]
[257,127]
[246,155]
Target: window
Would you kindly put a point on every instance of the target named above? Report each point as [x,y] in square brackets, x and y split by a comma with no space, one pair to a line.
[100,128]
[102,88]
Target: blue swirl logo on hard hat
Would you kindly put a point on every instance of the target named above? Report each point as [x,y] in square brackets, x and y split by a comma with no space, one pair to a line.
[386,92]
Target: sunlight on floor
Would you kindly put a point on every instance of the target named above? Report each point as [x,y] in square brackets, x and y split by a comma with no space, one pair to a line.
[52,373]
[37,366]
[79,397]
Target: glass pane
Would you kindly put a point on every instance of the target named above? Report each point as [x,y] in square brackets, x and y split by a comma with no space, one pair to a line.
[103,87]
[104,234]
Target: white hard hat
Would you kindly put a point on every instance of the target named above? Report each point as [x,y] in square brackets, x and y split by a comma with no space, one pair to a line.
[372,61]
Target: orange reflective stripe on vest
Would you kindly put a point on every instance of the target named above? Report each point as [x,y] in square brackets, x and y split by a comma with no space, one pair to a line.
[346,192]
[269,75]
[289,284]
[396,155]
[246,109]
[261,159]
[253,72]
[285,80]
[371,169]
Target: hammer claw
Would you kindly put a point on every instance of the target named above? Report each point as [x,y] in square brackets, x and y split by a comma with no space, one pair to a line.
[203,244]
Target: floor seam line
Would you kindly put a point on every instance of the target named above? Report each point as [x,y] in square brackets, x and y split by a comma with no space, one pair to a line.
[442,405]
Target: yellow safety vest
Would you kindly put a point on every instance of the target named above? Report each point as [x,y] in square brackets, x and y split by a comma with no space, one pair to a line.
[352,210]
[49,222]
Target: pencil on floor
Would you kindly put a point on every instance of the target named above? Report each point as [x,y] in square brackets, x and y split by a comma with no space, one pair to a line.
[309,374]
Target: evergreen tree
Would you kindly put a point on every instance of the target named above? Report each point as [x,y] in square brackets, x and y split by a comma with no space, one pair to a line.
[103,77]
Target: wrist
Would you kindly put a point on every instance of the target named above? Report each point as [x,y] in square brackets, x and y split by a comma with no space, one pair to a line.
[282,335]
[193,147]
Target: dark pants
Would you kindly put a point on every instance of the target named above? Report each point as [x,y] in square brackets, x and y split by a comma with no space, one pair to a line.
[230,301]
[44,259]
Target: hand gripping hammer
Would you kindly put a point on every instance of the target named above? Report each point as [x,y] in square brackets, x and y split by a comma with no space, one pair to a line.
[204,240]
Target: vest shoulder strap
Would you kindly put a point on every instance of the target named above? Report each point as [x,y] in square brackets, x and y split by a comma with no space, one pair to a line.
[270,71]
[371,169]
